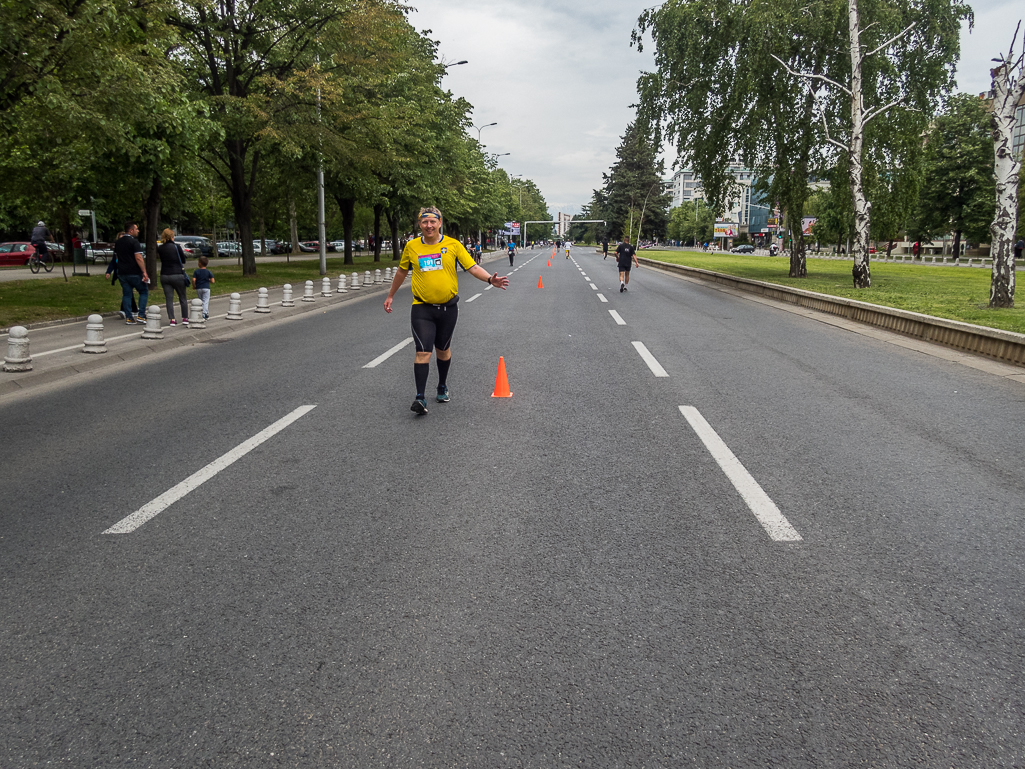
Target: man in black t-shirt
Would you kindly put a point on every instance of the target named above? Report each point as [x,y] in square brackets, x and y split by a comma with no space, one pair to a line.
[605,249]
[624,254]
[131,272]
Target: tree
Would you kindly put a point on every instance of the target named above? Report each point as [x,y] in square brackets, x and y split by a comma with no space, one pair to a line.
[1008,86]
[958,188]
[633,191]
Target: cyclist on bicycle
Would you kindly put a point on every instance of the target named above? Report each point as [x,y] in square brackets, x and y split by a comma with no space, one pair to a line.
[39,237]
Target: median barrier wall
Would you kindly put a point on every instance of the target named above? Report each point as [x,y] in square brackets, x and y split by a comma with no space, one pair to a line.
[1005,346]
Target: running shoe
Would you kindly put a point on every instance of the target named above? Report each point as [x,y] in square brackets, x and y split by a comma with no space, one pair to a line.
[130,321]
[443,396]
[622,287]
[419,407]
[122,314]
[172,322]
[185,321]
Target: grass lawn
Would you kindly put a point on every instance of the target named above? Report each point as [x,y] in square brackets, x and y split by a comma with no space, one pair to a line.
[956,293]
[31,301]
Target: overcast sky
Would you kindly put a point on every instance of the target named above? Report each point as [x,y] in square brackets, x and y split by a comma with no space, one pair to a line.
[559,76]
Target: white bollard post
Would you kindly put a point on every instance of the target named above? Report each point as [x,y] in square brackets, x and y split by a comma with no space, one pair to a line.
[341,284]
[308,292]
[153,328]
[262,301]
[286,296]
[377,277]
[325,287]
[196,319]
[388,277]
[235,307]
[94,341]
[18,358]
[355,281]
[368,280]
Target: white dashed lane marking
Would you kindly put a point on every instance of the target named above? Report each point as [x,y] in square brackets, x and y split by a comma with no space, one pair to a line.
[151,510]
[769,516]
[616,317]
[602,297]
[382,358]
[647,357]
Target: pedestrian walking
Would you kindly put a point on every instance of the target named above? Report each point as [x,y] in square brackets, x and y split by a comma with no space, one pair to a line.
[131,273]
[202,279]
[172,276]
[624,254]
[432,259]
[605,249]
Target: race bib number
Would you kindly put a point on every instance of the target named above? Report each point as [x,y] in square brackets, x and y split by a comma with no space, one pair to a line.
[430,262]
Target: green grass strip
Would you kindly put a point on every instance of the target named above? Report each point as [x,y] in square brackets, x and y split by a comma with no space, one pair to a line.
[956,293]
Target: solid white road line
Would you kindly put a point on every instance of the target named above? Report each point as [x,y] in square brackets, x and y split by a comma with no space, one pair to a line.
[654,365]
[616,317]
[149,511]
[602,297]
[382,358]
[772,520]
[473,297]
[594,287]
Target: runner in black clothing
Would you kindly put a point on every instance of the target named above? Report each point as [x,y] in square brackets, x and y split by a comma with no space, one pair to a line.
[605,249]
[625,253]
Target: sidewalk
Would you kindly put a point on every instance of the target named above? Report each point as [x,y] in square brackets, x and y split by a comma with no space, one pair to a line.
[56,348]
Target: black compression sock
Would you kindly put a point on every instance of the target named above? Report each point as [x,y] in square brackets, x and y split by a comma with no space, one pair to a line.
[443,371]
[420,372]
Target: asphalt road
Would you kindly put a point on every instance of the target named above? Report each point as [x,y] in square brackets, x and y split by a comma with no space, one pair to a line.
[568,577]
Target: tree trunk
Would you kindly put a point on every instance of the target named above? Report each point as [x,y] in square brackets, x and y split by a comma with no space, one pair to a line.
[348,208]
[242,199]
[293,224]
[377,231]
[393,225]
[861,272]
[263,236]
[889,249]
[151,212]
[1007,92]
[65,219]
[957,245]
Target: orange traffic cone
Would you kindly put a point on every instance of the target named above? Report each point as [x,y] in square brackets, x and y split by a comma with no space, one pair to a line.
[501,381]
[539,283]
[549,262]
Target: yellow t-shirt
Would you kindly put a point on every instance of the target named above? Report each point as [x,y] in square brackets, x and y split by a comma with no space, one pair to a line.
[434,269]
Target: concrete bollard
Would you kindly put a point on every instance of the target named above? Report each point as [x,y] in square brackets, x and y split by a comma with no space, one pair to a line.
[325,287]
[18,358]
[235,307]
[286,296]
[308,292]
[377,277]
[341,284]
[153,328]
[388,275]
[355,282]
[368,279]
[196,319]
[94,341]
[262,301]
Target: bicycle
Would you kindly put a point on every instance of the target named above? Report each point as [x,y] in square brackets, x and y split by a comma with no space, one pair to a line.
[34,263]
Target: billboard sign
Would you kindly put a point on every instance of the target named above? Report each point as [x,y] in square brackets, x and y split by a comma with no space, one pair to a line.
[727,229]
[513,227]
[807,223]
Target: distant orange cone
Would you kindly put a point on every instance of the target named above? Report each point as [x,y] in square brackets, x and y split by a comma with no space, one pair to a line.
[549,262]
[501,381]
[539,283]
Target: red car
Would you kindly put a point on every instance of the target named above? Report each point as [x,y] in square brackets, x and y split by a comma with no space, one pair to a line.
[15,253]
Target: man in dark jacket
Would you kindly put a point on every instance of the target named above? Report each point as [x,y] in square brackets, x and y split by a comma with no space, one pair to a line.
[131,272]
[39,237]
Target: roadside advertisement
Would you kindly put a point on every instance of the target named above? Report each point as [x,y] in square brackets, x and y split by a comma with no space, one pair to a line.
[807,223]
[727,229]
[513,227]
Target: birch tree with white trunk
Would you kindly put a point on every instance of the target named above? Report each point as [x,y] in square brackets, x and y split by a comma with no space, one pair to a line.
[909,68]
[1008,87]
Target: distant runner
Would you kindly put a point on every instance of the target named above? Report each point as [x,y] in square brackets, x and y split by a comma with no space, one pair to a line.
[512,251]
[432,260]
[625,253]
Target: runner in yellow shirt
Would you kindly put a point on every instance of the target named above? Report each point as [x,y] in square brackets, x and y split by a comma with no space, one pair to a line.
[432,260]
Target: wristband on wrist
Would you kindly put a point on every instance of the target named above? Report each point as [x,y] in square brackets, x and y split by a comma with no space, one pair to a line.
[489,280]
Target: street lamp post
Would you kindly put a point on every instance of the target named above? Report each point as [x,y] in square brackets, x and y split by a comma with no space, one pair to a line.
[481,128]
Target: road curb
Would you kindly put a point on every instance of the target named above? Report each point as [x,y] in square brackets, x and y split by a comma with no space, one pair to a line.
[1004,346]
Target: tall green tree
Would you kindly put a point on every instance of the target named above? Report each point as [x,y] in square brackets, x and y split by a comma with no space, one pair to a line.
[634,191]
[958,189]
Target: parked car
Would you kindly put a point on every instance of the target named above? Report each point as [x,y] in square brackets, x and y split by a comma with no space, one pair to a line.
[229,248]
[98,251]
[15,252]
[195,245]
[18,252]
[744,248]
[314,245]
